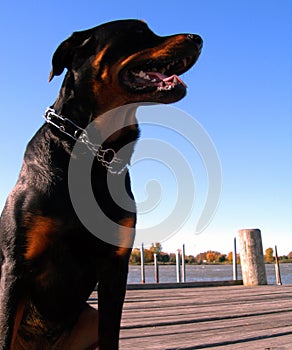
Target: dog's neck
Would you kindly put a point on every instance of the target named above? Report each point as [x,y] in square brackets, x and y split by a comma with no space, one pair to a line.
[116,129]
[112,124]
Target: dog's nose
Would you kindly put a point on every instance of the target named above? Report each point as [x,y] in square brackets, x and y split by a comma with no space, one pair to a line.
[197,40]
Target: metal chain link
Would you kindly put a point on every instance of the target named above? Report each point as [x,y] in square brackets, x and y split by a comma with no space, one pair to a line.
[107,157]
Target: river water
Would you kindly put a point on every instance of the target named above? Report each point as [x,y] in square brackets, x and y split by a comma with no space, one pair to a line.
[199,273]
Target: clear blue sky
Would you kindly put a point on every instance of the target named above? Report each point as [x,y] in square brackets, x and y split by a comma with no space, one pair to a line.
[239,91]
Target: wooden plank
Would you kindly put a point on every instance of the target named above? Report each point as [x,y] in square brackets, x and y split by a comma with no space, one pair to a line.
[233,317]
[184,285]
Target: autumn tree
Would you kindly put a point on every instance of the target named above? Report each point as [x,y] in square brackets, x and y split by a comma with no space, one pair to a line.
[135,257]
[148,256]
[202,257]
[269,255]
[172,258]
[190,259]
[210,256]
[230,257]
[156,248]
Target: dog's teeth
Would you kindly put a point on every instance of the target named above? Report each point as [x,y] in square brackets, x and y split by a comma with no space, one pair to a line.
[146,77]
[184,62]
[165,88]
[154,70]
[163,70]
[175,80]
[141,74]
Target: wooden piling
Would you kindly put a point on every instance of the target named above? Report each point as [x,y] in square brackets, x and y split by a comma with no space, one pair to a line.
[252,257]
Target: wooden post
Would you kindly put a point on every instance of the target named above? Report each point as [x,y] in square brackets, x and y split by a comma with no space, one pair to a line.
[142,264]
[156,269]
[183,265]
[178,273]
[234,261]
[277,268]
[252,257]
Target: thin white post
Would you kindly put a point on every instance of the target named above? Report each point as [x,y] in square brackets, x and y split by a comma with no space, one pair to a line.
[183,265]
[142,264]
[277,268]
[178,273]
[234,261]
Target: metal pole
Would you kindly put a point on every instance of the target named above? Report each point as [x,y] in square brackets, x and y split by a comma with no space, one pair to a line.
[183,267]
[277,268]
[142,264]
[178,273]
[156,271]
[235,275]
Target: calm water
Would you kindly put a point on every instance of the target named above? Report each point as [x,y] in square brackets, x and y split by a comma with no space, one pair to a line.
[199,273]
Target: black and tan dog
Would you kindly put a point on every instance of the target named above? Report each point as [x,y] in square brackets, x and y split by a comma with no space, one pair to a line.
[50,261]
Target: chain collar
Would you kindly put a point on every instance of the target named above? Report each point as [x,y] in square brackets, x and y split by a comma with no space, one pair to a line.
[107,157]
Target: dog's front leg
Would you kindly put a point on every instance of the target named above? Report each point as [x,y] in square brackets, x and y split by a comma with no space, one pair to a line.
[111,295]
[11,304]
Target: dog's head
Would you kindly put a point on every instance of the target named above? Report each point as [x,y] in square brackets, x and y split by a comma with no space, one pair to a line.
[124,62]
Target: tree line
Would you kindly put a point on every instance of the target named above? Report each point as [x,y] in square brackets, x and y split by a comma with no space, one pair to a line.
[270,257]
[208,257]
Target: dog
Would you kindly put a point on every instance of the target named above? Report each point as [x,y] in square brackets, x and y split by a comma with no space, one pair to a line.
[50,260]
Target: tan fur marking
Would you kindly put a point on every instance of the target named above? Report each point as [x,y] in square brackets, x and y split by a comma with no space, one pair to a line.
[39,236]
[99,56]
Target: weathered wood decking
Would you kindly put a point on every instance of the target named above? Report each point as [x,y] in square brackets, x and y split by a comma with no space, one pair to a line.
[233,317]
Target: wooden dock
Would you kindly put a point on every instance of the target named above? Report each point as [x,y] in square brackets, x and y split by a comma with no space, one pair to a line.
[228,317]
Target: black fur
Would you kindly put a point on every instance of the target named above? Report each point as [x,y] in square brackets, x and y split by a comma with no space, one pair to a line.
[50,261]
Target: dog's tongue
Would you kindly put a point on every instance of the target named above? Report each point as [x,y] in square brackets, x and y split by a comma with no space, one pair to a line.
[172,80]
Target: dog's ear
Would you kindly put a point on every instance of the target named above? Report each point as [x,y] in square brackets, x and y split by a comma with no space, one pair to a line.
[64,54]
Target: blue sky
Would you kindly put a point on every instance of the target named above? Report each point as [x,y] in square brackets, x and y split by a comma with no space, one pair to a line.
[239,91]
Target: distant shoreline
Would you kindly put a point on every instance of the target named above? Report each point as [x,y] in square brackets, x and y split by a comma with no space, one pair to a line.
[203,273]
[286,261]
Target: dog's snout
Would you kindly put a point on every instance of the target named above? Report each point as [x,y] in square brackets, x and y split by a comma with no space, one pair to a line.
[197,40]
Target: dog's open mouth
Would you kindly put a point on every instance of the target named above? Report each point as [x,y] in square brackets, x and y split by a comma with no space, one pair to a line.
[156,75]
